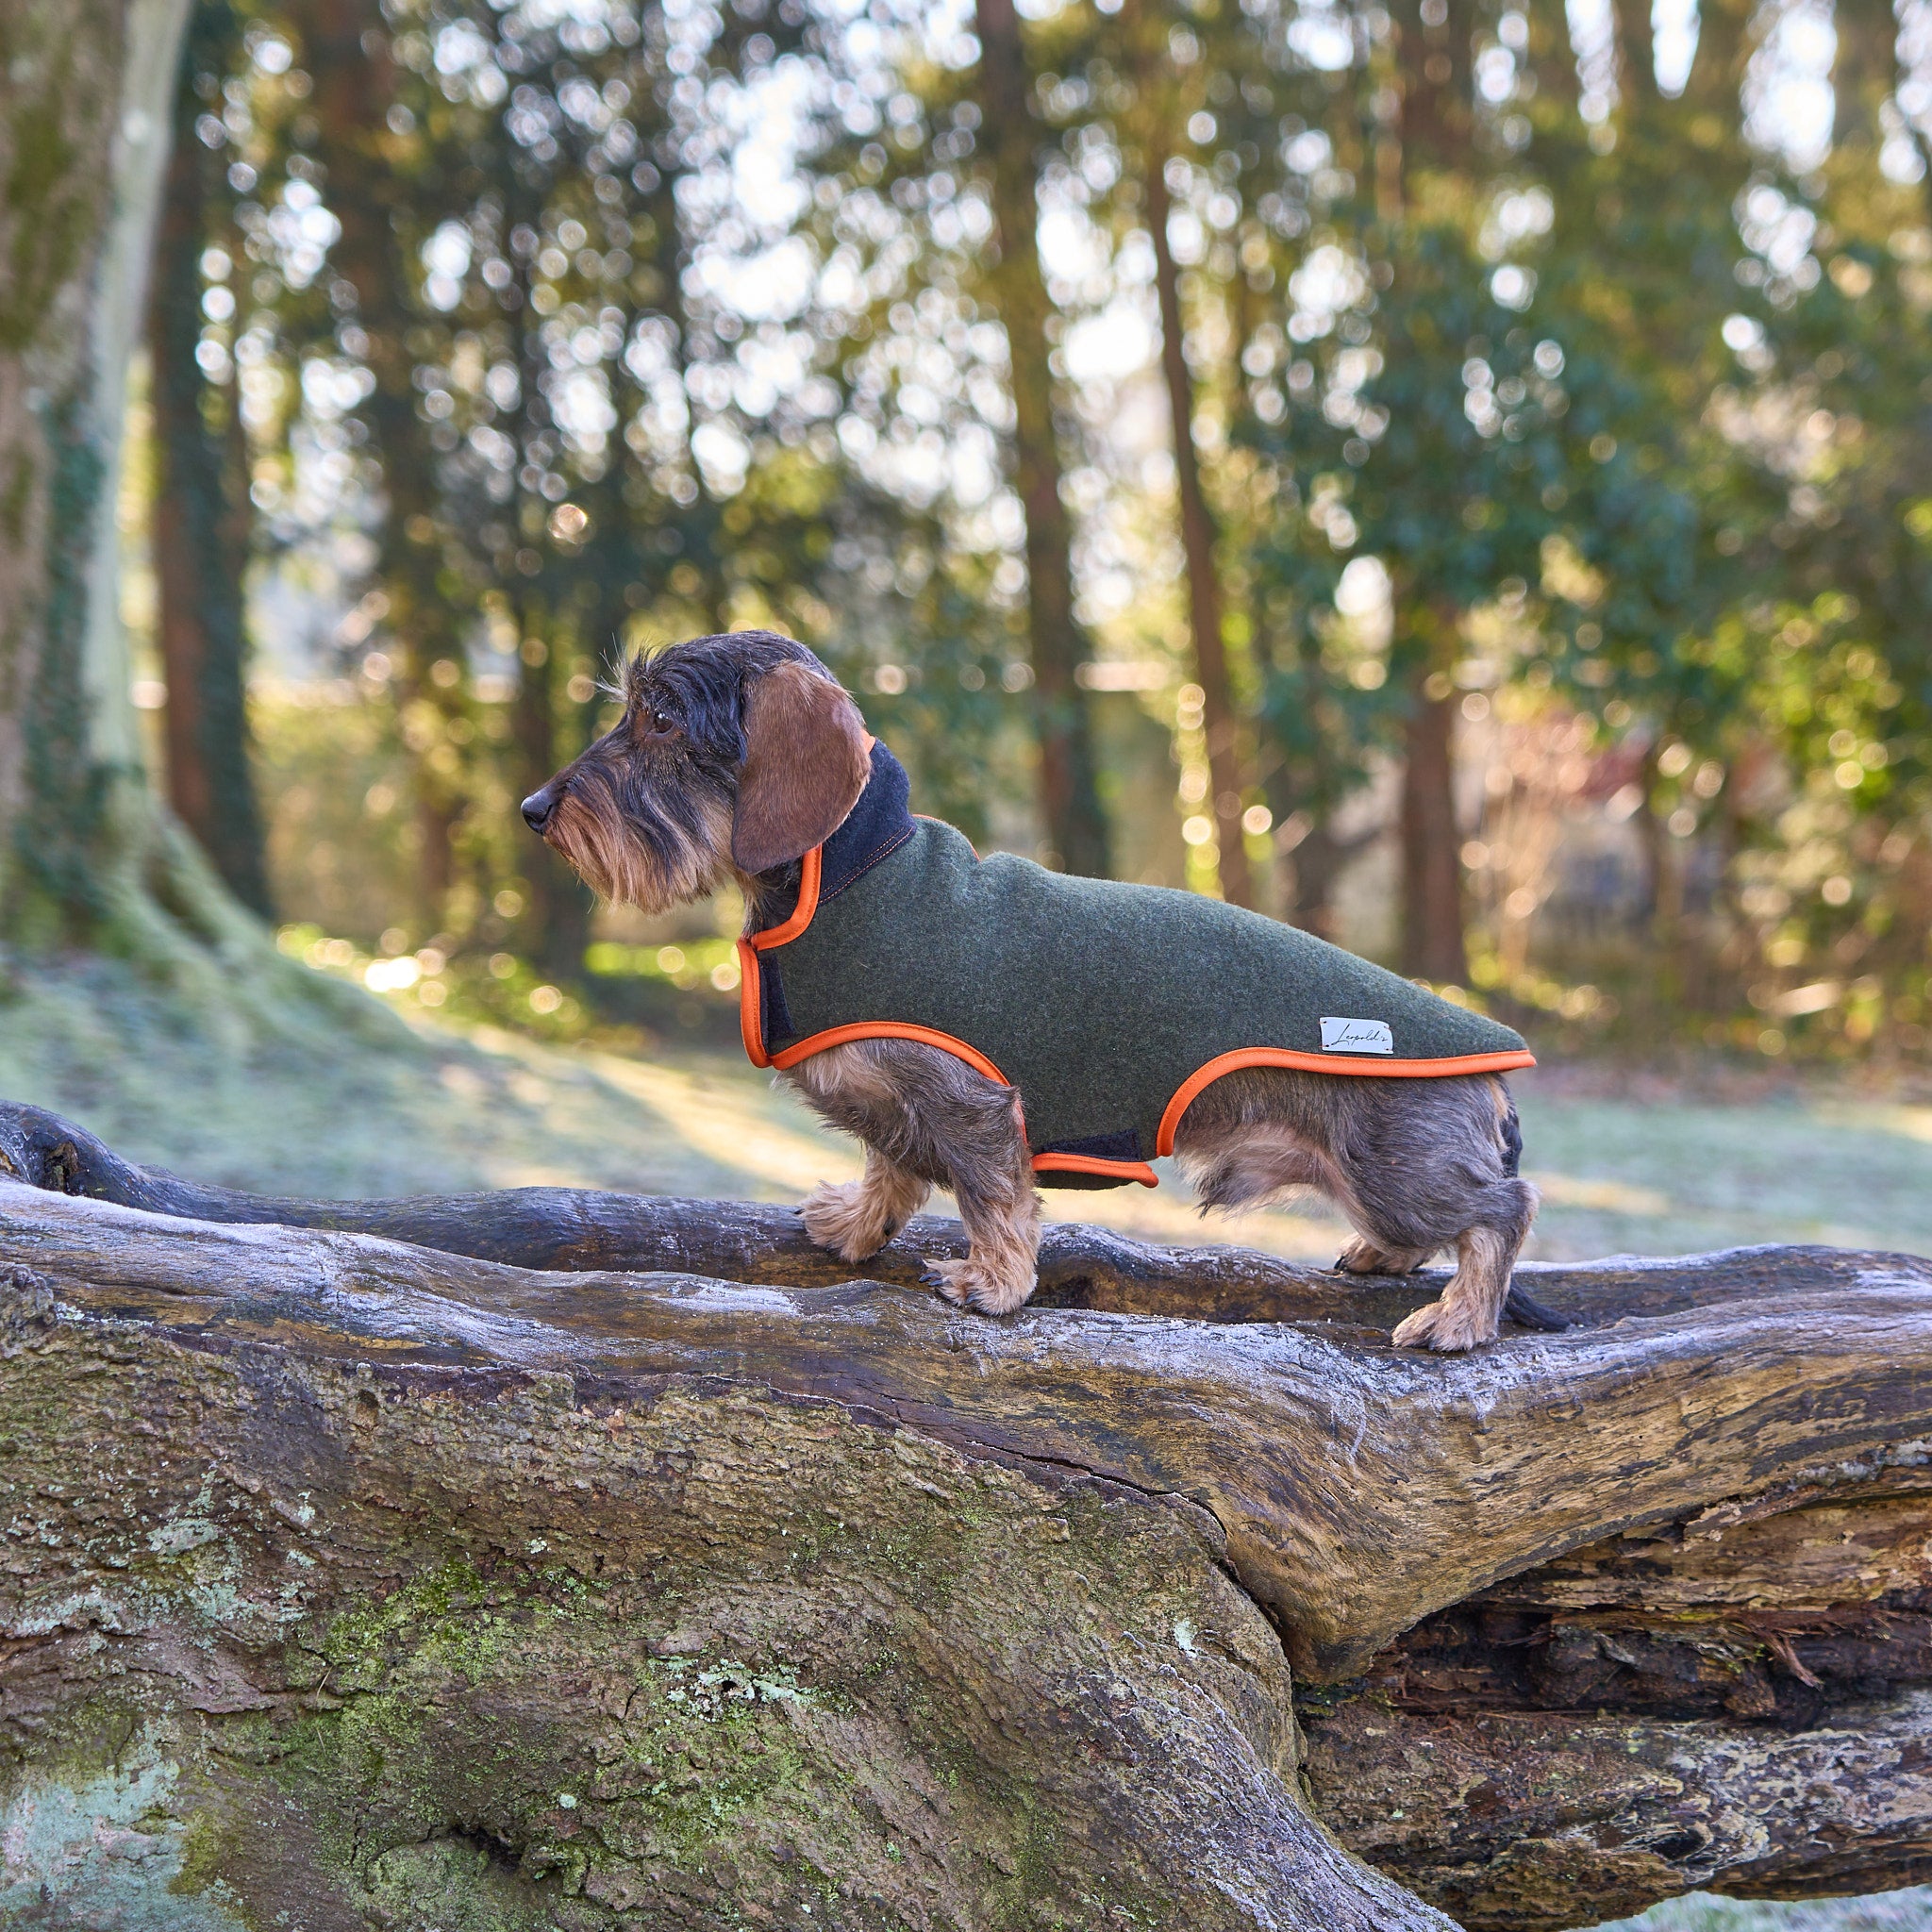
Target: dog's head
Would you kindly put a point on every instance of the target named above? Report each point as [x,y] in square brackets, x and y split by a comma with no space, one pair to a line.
[735,753]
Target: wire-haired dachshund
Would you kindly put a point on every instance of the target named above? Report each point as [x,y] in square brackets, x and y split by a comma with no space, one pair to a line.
[735,759]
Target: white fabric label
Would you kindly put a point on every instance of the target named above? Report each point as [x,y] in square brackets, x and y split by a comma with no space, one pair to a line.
[1356,1036]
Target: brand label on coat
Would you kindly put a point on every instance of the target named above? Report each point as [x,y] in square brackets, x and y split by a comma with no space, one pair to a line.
[1356,1036]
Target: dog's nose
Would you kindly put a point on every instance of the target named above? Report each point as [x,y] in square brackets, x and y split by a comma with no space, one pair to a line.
[538,808]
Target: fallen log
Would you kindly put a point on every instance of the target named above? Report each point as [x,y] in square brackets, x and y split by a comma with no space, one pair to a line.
[351,1569]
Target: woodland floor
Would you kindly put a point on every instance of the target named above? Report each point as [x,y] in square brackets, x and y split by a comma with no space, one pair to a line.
[1629,1162]
[1636,1162]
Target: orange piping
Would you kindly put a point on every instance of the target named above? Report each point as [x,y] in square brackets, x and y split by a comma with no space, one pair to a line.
[1093,1163]
[886,1029]
[809,869]
[1189,1089]
[750,1021]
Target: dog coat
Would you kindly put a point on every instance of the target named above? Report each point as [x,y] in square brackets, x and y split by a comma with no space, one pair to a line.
[1108,1007]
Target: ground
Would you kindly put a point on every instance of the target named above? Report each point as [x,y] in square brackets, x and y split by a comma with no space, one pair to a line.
[1639,1163]
[1628,1161]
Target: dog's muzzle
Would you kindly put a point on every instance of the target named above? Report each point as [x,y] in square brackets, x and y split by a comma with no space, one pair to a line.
[540,808]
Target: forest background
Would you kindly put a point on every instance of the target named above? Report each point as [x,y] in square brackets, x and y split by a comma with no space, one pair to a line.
[1456,476]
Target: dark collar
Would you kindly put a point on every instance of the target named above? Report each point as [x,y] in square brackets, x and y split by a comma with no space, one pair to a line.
[876,827]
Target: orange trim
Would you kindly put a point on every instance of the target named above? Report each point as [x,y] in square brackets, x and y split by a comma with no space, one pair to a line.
[887,1030]
[809,869]
[1189,1089]
[750,1021]
[1093,1163]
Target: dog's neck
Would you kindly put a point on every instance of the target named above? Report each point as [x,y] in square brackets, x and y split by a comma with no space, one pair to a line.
[879,824]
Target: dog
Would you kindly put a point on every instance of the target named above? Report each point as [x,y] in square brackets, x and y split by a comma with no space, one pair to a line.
[740,759]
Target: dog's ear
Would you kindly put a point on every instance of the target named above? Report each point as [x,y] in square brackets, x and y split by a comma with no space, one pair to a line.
[807,759]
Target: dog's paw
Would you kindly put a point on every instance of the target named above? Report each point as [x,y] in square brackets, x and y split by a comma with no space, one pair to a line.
[973,1285]
[1362,1257]
[1445,1326]
[844,1217]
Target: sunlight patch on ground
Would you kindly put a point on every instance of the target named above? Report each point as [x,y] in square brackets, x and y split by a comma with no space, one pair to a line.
[737,1122]
[1911,1123]
[1619,1197]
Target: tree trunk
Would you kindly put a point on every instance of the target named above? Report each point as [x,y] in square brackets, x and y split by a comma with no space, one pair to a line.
[1227,777]
[1319,858]
[1553,58]
[1636,56]
[1723,49]
[556,919]
[345,47]
[406,1587]
[84,92]
[201,514]
[1432,946]
[1863,72]
[1070,800]
[87,852]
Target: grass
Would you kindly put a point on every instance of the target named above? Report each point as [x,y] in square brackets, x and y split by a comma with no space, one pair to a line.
[1628,1164]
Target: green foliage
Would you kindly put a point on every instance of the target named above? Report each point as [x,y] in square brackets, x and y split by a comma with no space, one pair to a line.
[1529,382]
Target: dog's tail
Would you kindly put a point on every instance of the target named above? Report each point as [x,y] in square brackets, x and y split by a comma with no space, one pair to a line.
[1527,1313]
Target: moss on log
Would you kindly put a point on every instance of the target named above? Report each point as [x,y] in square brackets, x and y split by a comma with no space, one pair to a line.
[678,1581]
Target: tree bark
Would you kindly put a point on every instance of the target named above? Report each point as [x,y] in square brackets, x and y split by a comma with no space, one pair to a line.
[1070,798]
[1227,776]
[83,120]
[401,1585]
[200,520]
[1432,945]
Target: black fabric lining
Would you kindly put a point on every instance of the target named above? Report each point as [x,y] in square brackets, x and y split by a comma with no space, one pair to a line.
[773,1018]
[1125,1145]
[874,828]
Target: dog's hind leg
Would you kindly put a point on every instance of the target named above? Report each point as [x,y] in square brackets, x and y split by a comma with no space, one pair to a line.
[1439,1166]
[855,1219]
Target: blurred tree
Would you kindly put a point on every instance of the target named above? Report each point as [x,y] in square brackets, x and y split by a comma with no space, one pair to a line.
[201,516]
[89,855]
[1070,801]
[1161,107]
[383,187]
[68,79]
[1415,421]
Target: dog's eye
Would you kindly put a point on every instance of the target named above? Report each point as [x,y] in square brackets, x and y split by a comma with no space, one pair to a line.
[660,723]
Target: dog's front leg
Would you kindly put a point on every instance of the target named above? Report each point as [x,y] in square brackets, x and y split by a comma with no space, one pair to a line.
[855,1219]
[990,1173]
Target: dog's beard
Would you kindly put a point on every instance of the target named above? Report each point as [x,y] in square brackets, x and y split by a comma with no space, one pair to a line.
[653,865]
